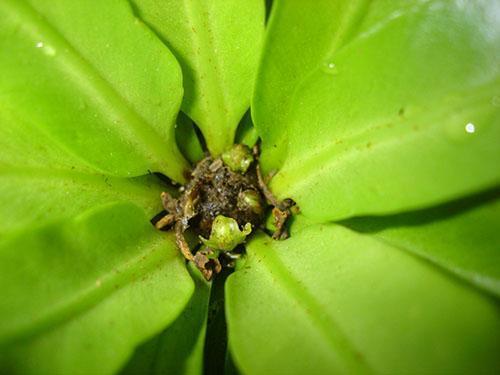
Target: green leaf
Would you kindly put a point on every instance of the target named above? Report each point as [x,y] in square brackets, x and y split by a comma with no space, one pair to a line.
[299,37]
[460,237]
[178,349]
[329,300]
[187,139]
[94,79]
[37,196]
[40,181]
[217,44]
[402,114]
[78,296]
[246,133]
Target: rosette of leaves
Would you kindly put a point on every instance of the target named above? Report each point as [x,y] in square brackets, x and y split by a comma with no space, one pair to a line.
[381,119]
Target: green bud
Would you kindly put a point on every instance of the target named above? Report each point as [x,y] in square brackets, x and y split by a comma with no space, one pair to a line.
[238,159]
[250,199]
[225,234]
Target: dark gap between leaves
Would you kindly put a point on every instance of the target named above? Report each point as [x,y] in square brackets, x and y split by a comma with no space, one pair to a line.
[215,351]
[269,7]
[166,180]
[373,224]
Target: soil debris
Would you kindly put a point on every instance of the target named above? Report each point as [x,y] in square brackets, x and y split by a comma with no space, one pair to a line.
[224,198]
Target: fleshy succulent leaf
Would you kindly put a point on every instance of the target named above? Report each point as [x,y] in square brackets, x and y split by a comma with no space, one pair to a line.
[403,114]
[110,100]
[41,181]
[179,349]
[217,45]
[299,37]
[363,108]
[332,300]
[462,237]
[79,295]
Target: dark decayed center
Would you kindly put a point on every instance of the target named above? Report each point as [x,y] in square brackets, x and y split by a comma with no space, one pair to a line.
[218,190]
[222,192]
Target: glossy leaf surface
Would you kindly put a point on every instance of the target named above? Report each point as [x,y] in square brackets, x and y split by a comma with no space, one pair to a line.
[332,300]
[403,114]
[178,349]
[217,44]
[78,296]
[291,52]
[110,100]
[367,107]
[462,237]
[41,181]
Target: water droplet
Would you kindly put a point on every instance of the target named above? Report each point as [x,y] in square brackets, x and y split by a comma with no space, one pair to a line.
[470,127]
[459,130]
[48,50]
[330,67]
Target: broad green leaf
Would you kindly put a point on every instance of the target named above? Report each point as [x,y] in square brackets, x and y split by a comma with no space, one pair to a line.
[178,349]
[36,196]
[217,44]
[78,296]
[330,300]
[299,37]
[402,115]
[95,79]
[462,238]
[40,181]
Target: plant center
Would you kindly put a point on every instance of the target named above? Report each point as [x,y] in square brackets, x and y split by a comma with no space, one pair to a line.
[223,201]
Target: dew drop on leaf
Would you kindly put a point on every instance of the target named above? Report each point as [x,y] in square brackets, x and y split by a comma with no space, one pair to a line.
[330,67]
[470,128]
[48,50]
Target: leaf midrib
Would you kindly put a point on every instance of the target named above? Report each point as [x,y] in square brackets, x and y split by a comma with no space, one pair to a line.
[325,325]
[351,23]
[112,189]
[91,82]
[204,43]
[105,285]
[95,181]
[293,172]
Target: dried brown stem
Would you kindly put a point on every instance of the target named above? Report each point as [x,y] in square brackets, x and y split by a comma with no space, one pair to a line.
[181,241]
[165,221]
[168,202]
